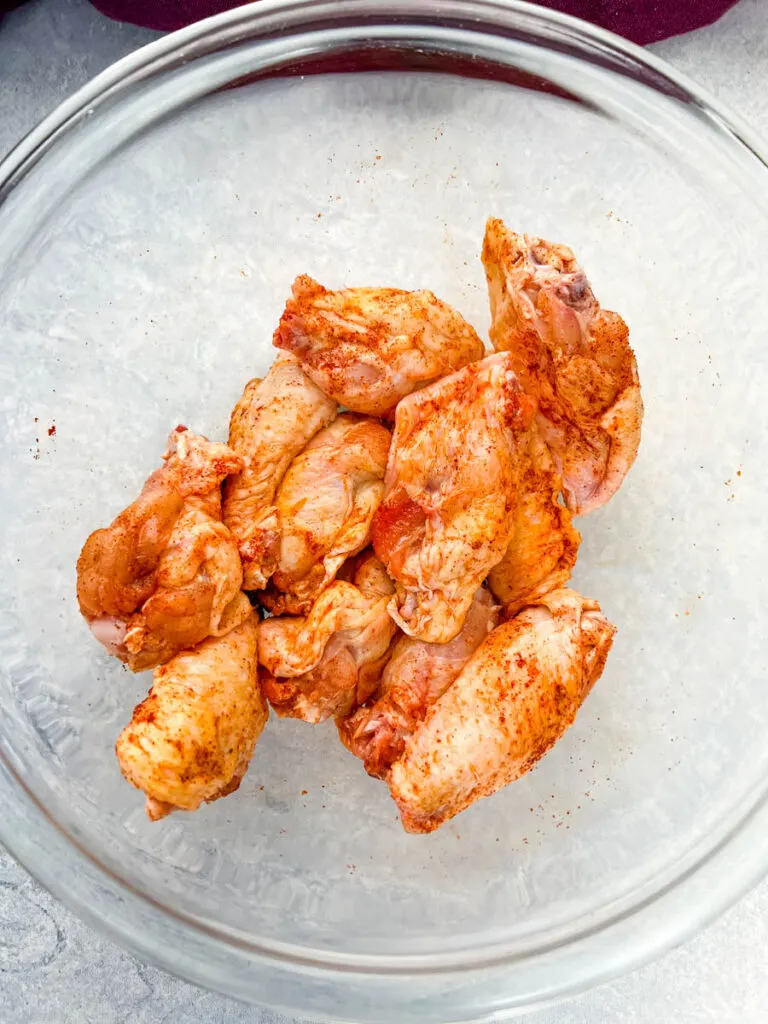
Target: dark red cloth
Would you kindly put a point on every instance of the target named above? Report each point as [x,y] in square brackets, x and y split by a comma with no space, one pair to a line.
[643,21]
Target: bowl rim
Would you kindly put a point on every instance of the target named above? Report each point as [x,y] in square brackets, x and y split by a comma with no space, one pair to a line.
[667,917]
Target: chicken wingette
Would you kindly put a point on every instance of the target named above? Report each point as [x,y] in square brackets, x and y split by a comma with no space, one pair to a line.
[370,347]
[513,700]
[544,545]
[572,356]
[448,513]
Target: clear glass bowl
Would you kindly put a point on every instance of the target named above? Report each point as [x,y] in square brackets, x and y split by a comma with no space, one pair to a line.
[149,232]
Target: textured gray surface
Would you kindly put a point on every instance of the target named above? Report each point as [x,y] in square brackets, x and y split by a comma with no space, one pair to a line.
[52,968]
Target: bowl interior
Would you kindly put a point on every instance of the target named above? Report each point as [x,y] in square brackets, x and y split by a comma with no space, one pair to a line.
[151,254]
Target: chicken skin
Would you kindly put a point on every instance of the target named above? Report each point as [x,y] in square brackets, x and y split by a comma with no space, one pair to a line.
[369,347]
[191,740]
[417,675]
[272,422]
[449,510]
[326,505]
[544,545]
[330,661]
[572,356]
[513,700]
[166,574]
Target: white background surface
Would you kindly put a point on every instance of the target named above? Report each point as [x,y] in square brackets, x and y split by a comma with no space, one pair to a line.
[53,968]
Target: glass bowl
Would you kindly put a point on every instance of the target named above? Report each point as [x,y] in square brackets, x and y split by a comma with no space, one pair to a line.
[149,232]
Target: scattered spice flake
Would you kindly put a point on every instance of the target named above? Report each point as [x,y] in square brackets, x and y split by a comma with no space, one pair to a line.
[35,419]
[303,792]
[52,430]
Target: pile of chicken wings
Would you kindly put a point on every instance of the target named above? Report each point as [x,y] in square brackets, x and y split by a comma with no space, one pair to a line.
[397,504]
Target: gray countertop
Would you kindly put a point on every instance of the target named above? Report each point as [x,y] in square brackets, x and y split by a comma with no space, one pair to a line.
[55,969]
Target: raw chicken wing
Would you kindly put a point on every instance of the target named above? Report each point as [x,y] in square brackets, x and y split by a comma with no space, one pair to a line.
[270,425]
[514,699]
[326,505]
[166,574]
[191,740]
[572,356]
[417,674]
[449,511]
[370,347]
[544,545]
[328,662]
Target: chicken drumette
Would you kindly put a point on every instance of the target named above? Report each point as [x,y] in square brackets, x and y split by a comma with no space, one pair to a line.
[326,505]
[417,674]
[330,661]
[370,347]
[451,485]
[270,425]
[166,574]
[572,356]
[191,740]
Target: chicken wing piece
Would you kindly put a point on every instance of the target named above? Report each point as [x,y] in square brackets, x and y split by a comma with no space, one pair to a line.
[270,425]
[514,699]
[448,513]
[572,356]
[544,545]
[417,674]
[370,347]
[166,574]
[326,505]
[191,740]
[330,661]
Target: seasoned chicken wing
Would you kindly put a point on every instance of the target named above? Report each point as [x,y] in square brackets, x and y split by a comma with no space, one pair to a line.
[514,699]
[191,740]
[329,661]
[544,545]
[270,425]
[326,505]
[449,510]
[572,356]
[417,674]
[370,347]
[166,574]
